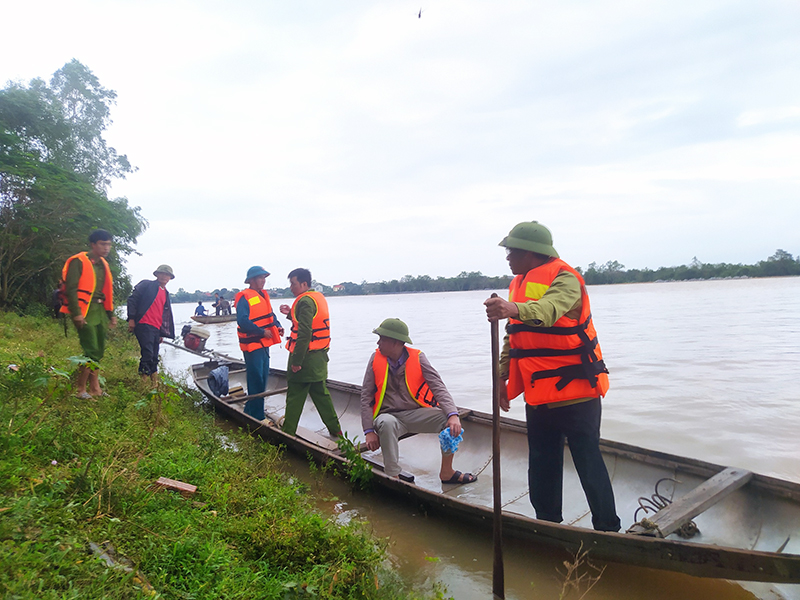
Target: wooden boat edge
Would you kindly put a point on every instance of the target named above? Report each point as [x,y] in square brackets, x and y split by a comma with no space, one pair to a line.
[701,560]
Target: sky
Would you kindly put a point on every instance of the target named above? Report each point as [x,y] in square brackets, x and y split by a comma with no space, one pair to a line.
[365,142]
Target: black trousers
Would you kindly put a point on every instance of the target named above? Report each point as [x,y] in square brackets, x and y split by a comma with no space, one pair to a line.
[579,424]
[149,339]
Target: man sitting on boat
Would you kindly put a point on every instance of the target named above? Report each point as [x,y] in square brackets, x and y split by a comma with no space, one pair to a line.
[403,393]
[551,355]
[200,310]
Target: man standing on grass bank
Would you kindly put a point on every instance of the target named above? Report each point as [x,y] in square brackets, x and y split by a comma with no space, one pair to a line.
[258,329]
[551,355]
[150,319]
[90,304]
[308,354]
[402,393]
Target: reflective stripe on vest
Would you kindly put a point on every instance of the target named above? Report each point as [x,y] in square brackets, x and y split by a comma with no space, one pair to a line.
[261,314]
[88,282]
[320,325]
[553,364]
[415,381]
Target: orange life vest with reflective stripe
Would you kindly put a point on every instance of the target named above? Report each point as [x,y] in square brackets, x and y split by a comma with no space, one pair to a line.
[415,381]
[88,282]
[320,325]
[558,363]
[261,314]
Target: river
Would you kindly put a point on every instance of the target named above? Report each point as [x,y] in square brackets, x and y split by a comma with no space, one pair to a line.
[705,369]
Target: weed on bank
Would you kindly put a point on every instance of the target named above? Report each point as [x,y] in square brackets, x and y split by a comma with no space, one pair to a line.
[80,516]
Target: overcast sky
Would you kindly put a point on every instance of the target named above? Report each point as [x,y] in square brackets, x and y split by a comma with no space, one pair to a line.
[366,143]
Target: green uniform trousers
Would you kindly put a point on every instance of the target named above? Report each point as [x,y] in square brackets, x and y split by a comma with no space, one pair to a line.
[295,399]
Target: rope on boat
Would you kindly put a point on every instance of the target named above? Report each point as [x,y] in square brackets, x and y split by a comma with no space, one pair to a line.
[653,504]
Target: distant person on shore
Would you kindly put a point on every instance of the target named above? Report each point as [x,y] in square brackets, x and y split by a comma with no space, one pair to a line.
[150,319]
[389,410]
[200,310]
[551,355]
[308,345]
[90,304]
[258,329]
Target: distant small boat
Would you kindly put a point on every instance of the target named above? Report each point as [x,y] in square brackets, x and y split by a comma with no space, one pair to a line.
[214,319]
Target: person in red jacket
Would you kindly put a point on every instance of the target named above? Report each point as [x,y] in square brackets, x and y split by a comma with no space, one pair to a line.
[552,356]
[150,319]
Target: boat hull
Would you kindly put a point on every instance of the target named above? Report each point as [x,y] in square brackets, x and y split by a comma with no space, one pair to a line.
[750,552]
[214,319]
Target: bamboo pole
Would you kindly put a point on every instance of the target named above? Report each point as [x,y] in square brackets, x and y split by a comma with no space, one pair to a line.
[498,574]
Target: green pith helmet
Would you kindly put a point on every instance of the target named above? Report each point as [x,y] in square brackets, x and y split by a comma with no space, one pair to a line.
[395,329]
[255,272]
[531,236]
[164,269]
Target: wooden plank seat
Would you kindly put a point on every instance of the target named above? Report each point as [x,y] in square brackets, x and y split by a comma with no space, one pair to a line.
[317,439]
[670,518]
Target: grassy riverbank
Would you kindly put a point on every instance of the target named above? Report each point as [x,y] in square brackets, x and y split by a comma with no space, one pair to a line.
[77,475]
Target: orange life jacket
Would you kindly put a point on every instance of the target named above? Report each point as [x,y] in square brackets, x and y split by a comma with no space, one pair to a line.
[553,364]
[88,282]
[261,314]
[320,325]
[415,381]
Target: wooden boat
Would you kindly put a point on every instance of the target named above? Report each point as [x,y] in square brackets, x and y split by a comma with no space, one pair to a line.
[749,524]
[214,319]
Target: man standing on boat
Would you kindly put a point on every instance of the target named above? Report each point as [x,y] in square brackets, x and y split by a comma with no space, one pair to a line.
[308,354]
[89,289]
[402,393]
[150,319]
[551,355]
[258,329]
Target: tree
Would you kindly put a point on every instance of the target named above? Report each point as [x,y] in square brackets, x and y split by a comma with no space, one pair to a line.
[54,169]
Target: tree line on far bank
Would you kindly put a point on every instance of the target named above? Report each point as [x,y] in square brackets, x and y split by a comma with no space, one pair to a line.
[56,168]
[780,264]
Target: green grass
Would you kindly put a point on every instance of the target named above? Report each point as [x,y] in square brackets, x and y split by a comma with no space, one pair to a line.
[76,472]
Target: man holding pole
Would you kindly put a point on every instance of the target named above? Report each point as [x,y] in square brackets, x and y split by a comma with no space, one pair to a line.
[258,329]
[551,355]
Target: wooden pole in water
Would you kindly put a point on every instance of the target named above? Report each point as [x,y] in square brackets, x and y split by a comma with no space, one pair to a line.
[498,575]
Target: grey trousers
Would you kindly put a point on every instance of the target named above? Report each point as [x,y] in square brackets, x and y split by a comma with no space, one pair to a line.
[390,426]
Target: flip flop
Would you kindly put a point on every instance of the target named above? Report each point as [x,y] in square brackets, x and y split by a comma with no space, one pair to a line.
[84,396]
[459,477]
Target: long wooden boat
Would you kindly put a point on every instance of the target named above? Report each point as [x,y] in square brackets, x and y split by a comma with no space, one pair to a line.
[214,319]
[749,524]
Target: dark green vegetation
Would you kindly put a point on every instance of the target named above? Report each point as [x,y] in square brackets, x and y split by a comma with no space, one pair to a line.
[779,264]
[75,473]
[55,168]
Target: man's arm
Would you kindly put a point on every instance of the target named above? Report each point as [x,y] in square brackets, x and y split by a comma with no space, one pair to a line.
[74,273]
[368,389]
[304,313]
[443,397]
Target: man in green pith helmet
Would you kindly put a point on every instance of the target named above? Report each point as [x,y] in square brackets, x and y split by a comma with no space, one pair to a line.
[551,355]
[308,346]
[402,393]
